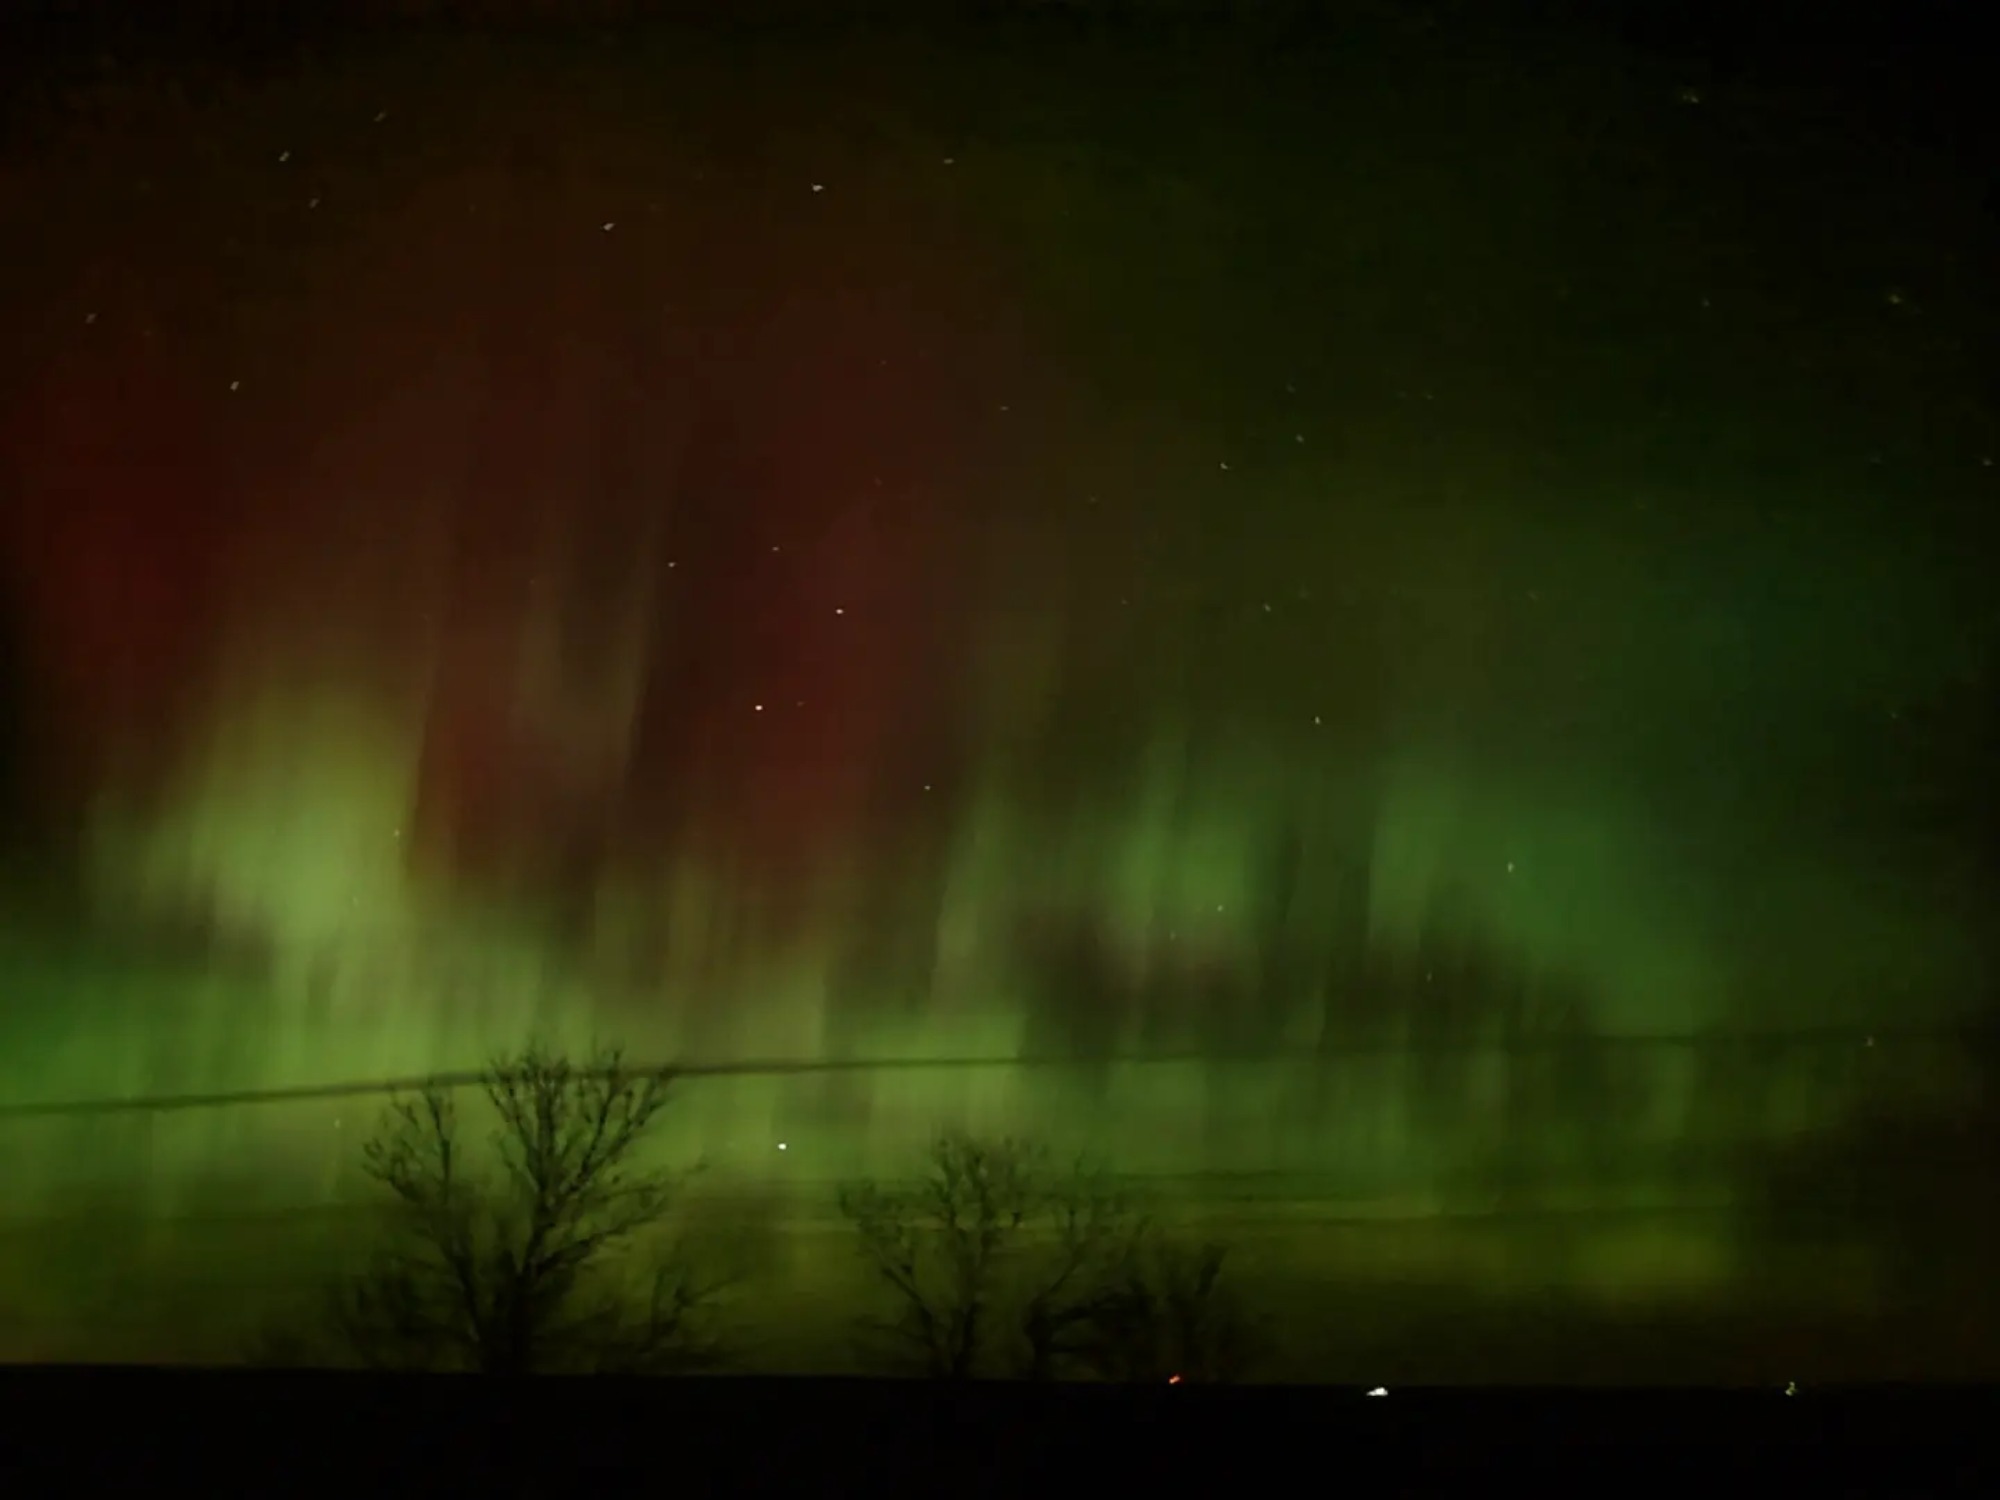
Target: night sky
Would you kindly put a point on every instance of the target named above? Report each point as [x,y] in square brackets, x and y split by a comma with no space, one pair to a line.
[908,520]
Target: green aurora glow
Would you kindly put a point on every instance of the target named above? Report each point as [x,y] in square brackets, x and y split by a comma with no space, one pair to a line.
[1072,605]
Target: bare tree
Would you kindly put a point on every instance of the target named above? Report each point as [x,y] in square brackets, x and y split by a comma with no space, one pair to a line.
[1165,1314]
[523,1261]
[993,1258]
[1091,1233]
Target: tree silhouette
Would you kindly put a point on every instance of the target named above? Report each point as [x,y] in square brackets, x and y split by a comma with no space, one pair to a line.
[985,1233]
[999,1264]
[1165,1314]
[510,1265]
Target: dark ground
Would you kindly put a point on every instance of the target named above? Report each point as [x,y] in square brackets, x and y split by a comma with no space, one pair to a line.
[219,1433]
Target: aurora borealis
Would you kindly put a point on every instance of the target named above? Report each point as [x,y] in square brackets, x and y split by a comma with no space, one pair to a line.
[793,548]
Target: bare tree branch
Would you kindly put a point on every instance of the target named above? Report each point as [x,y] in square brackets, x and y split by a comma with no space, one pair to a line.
[995,1262]
[516,1266]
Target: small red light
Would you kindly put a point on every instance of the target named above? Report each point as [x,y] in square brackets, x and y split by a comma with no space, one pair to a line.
[1173,1380]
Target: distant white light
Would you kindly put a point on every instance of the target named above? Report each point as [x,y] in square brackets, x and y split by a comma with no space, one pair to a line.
[757,707]
[1380,1390]
[284,156]
[819,187]
[609,225]
[1791,1387]
[784,1146]
[1510,867]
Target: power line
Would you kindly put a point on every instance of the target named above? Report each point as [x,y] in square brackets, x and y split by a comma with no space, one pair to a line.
[1802,1039]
